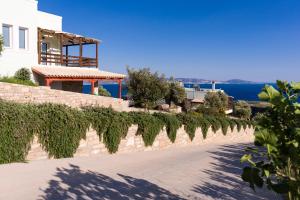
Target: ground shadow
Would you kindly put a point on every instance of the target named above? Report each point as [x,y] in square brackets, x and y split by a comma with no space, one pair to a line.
[73,183]
[224,177]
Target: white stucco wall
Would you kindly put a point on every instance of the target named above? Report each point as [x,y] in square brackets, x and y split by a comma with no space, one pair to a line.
[25,14]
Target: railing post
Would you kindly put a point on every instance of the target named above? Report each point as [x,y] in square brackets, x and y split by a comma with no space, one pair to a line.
[80,52]
[39,46]
[61,49]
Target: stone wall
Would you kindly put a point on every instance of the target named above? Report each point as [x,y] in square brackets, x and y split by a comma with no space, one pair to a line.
[27,94]
[91,146]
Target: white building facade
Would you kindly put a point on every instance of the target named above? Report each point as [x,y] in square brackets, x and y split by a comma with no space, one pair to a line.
[19,21]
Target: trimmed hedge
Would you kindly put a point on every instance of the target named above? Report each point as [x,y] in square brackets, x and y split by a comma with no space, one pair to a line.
[60,128]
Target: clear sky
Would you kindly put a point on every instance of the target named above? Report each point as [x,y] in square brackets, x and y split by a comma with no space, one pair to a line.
[256,40]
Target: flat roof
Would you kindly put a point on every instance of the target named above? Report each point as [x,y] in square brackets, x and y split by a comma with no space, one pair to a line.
[75,73]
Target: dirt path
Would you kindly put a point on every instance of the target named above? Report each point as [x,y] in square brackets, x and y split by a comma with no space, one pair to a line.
[210,171]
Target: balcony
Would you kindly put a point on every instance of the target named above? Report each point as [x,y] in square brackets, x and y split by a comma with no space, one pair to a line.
[55,48]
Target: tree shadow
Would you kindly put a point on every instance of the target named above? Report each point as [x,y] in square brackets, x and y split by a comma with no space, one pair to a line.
[73,183]
[224,177]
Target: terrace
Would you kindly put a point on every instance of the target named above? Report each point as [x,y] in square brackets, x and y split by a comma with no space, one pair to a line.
[56,47]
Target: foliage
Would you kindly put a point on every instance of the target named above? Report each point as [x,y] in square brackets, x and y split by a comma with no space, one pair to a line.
[110,125]
[16,81]
[172,124]
[23,74]
[176,93]
[60,129]
[146,88]
[224,125]
[276,161]
[191,123]
[238,125]
[148,126]
[242,110]
[215,103]
[16,131]
[1,44]
[103,92]
[215,123]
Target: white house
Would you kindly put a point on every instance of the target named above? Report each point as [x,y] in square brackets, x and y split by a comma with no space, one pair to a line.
[35,39]
[20,20]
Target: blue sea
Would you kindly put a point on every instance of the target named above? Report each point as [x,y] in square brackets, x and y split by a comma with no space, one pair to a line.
[246,92]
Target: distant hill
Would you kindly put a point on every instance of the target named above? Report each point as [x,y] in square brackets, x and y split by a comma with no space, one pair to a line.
[197,80]
[239,81]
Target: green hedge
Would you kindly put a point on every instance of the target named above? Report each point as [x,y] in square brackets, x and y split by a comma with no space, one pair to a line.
[60,128]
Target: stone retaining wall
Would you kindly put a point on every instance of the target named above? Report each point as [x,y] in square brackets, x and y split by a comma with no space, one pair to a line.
[27,94]
[134,143]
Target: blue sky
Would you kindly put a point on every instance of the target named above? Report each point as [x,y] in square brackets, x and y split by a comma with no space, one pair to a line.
[257,40]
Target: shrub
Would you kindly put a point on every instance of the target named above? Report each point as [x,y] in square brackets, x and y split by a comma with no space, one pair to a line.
[242,110]
[110,125]
[191,123]
[172,124]
[146,88]
[224,125]
[60,129]
[23,74]
[176,93]
[103,92]
[16,131]
[215,103]
[148,126]
[215,123]
[276,160]
[204,123]
[16,81]
[1,44]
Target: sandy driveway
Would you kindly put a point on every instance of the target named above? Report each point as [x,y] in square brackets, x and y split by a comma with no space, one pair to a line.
[210,171]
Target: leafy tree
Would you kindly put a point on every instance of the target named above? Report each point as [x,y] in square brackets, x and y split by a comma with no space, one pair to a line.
[215,103]
[1,44]
[103,92]
[176,92]
[242,110]
[276,159]
[146,88]
[23,74]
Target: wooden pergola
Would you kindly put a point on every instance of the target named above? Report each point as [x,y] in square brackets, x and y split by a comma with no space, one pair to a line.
[62,57]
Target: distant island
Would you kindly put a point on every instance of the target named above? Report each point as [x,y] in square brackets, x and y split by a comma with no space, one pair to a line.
[205,81]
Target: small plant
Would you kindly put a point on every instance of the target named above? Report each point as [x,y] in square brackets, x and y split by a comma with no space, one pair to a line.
[176,93]
[242,110]
[16,81]
[1,44]
[103,92]
[276,161]
[23,74]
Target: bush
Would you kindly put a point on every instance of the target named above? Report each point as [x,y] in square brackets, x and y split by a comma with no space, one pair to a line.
[148,126]
[242,110]
[1,44]
[23,74]
[16,81]
[176,93]
[172,124]
[146,88]
[103,92]
[60,129]
[276,161]
[215,103]
[16,131]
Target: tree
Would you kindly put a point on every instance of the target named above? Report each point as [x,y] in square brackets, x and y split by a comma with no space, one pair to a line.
[103,92]
[23,74]
[146,88]
[276,159]
[1,44]
[176,92]
[242,110]
[215,103]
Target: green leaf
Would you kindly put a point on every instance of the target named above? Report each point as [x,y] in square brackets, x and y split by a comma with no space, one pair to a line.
[267,172]
[269,93]
[295,85]
[246,158]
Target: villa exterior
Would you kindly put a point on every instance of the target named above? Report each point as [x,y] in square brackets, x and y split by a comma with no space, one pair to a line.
[35,40]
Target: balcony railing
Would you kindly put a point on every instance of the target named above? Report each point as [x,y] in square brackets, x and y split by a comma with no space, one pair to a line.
[71,61]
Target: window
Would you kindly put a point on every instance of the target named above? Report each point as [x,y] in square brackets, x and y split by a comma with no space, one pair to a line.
[7,35]
[23,32]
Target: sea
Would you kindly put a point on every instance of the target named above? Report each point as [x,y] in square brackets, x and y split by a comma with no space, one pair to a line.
[247,92]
